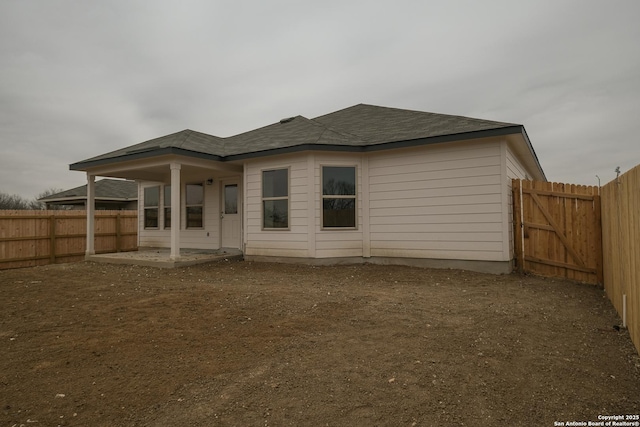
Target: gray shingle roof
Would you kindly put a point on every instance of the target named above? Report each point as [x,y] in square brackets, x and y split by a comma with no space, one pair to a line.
[382,124]
[354,128]
[292,132]
[105,189]
[188,140]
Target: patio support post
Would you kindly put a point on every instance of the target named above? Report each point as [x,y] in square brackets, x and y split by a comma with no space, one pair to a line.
[91,207]
[176,209]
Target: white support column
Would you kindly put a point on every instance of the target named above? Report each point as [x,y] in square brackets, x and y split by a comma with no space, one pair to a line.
[176,209]
[91,208]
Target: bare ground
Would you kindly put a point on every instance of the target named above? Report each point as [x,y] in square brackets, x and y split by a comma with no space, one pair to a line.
[252,344]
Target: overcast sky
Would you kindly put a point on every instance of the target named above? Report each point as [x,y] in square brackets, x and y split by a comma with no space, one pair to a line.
[80,78]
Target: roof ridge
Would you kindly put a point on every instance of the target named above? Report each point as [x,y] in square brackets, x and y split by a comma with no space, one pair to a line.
[382,107]
[186,136]
[263,127]
[338,111]
[338,131]
[195,132]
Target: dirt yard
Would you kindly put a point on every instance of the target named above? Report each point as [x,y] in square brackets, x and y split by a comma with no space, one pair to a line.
[250,344]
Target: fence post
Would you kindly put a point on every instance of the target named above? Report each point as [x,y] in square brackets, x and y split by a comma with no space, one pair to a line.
[597,204]
[517,224]
[52,238]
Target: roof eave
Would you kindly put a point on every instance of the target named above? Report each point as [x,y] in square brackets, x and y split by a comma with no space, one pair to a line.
[88,164]
[508,130]
[462,136]
[80,198]
[294,149]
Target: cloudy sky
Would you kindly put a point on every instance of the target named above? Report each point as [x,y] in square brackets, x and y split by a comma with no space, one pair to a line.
[79,78]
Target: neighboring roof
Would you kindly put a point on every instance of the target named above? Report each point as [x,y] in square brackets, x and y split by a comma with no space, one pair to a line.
[362,127]
[106,189]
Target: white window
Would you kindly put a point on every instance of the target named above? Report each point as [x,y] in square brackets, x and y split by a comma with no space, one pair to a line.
[338,197]
[275,198]
[194,205]
[151,204]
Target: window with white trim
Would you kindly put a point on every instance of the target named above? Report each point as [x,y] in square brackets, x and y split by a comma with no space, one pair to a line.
[338,197]
[275,199]
[194,205]
[151,206]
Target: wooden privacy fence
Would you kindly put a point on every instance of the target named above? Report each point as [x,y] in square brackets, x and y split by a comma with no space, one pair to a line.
[621,244]
[29,238]
[557,230]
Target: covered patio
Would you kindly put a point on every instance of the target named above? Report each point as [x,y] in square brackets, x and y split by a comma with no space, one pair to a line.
[186,228]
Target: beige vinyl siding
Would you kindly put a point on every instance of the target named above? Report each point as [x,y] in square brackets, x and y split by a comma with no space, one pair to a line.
[189,238]
[514,167]
[440,201]
[444,201]
[291,242]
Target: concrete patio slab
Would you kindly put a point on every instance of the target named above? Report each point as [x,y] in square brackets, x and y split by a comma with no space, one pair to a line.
[160,257]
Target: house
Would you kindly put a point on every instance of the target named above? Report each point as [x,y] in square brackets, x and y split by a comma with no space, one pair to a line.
[362,184]
[111,194]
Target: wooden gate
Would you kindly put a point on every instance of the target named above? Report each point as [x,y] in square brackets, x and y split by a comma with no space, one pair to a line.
[557,230]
